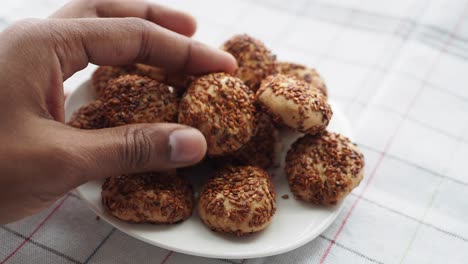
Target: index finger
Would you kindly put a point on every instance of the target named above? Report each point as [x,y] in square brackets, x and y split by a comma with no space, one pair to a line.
[120,41]
[169,18]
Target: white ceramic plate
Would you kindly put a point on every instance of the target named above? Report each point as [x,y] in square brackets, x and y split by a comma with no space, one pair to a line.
[294,224]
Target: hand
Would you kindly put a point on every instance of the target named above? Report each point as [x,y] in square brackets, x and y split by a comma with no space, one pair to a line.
[41,158]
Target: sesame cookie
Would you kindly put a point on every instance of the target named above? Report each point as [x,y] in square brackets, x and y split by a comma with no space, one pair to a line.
[222,108]
[90,116]
[152,197]
[255,61]
[323,169]
[260,149]
[301,72]
[104,74]
[294,103]
[131,99]
[238,200]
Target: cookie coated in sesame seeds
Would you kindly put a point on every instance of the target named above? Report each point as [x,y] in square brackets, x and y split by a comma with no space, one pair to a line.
[90,116]
[323,169]
[161,198]
[255,61]
[131,99]
[222,108]
[301,72]
[260,149]
[238,200]
[294,103]
[104,74]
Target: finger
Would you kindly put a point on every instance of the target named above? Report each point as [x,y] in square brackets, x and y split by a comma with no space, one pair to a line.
[169,18]
[118,41]
[135,148]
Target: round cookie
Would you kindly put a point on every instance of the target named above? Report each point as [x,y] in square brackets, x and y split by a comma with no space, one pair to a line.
[163,198]
[259,151]
[238,200]
[291,102]
[90,116]
[323,169]
[222,108]
[255,61]
[104,74]
[131,99]
[301,72]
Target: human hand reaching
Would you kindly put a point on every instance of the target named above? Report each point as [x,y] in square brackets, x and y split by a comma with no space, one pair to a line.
[42,158]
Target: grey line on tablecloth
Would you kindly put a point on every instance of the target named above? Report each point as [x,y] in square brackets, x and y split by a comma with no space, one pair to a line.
[429,171]
[99,246]
[338,244]
[391,139]
[408,25]
[38,227]
[448,233]
[32,241]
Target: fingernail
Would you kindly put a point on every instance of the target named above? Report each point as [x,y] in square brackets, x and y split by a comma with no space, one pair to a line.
[187,145]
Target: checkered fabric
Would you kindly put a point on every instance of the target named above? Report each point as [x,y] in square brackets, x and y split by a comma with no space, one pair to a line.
[399,71]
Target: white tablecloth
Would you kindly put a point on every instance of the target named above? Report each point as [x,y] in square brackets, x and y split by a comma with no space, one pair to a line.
[399,71]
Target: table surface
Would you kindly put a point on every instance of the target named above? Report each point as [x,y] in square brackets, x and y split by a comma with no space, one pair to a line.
[399,71]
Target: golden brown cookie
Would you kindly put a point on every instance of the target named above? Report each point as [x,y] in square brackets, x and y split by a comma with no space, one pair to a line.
[238,200]
[222,108]
[90,116]
[259,151]
[131,99]
[104,74]
[301,72]
[164,198]
[255,61]
[293,103]
[323,169]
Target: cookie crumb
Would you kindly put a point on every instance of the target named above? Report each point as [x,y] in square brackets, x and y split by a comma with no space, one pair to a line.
[285,196]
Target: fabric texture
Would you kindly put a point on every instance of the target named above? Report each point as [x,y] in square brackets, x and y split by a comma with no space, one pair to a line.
[398,69]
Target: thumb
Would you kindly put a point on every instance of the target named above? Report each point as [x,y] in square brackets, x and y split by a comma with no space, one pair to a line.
[136,148]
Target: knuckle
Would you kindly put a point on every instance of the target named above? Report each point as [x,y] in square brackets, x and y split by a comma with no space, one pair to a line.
[144,28]
[137,149]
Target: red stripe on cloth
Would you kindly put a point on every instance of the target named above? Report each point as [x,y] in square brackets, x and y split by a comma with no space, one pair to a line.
[41,224]
[345,220]
[390,141]
[167,257]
